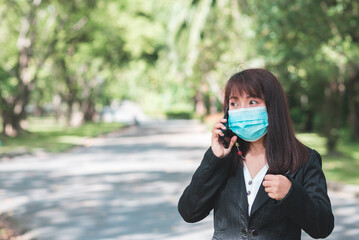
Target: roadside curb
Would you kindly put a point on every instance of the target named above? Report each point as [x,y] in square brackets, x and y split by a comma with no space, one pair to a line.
[8,156]
[345,190]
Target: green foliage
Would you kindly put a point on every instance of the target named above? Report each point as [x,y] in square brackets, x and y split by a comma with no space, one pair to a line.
[179,115]
[313,48]
[176,56]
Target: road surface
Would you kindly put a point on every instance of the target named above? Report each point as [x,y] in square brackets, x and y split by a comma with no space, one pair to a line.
[124,186]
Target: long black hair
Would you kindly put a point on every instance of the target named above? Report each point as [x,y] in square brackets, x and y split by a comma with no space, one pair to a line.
[284,152]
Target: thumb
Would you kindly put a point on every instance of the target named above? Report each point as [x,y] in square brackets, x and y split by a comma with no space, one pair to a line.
[233,140]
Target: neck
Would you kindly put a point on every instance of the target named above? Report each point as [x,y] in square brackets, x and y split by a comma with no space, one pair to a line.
[257,147]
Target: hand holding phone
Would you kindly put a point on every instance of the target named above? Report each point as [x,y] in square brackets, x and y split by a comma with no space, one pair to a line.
[228,134]
[223,138]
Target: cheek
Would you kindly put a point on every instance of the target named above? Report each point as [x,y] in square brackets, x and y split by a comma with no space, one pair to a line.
[261,102]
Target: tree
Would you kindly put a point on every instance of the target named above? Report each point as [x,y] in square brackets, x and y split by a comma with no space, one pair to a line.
[23,56]
[312,49]
[206,39]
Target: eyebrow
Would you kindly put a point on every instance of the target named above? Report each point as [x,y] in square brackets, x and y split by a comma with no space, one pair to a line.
[248,96]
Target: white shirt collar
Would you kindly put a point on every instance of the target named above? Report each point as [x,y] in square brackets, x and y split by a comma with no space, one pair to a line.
[253,185]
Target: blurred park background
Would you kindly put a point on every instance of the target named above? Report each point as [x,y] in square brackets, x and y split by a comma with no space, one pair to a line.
[67,66]
[68,69]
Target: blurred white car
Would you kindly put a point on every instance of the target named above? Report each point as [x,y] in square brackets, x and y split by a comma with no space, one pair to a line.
[127,112]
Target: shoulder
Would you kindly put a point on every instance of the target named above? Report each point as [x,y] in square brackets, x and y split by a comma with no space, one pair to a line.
[313,161]
[312,172]
[313,158]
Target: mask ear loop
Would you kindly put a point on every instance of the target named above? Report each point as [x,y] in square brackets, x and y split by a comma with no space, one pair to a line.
[239,152]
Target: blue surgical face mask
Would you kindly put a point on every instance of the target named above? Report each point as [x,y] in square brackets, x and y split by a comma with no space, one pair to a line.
[250,124]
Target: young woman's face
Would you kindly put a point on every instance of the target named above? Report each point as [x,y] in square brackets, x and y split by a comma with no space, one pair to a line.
[237,101]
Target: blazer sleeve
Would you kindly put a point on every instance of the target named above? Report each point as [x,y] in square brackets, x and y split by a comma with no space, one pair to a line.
[198,198]
[307,203]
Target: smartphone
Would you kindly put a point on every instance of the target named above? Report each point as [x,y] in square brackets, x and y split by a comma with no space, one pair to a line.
[228,134]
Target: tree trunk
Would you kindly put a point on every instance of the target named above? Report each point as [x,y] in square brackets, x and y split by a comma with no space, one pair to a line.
[69,111]
[77,116]
[11,123]
[309,121]
[13,116]
[13,110]
[70,97]
[332,115]
[90,112]
[57,106]
[353,99]
[213,104]
[199,104]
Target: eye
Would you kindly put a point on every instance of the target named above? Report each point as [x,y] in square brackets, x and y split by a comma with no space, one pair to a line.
[252,102]
[233,104]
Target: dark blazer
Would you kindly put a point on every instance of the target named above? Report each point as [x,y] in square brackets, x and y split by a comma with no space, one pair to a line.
[306,206]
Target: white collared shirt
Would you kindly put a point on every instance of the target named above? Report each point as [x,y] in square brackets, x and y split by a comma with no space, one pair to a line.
[253,185]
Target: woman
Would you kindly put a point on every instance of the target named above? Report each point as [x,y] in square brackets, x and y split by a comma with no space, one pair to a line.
[266,184]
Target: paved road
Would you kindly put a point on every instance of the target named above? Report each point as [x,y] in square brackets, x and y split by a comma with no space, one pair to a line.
[125,187]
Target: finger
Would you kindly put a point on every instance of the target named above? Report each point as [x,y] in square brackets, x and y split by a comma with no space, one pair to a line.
[222,120]
[218,126]
[233,140]
[231,143]
[217,132]
[272,195]
[266,184]
[267,189]
[269,177]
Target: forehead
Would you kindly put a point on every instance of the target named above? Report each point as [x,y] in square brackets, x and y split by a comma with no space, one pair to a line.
[236,93]
[239,86]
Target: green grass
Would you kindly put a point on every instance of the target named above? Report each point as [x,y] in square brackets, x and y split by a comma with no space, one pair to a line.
[50,136]
[342,167]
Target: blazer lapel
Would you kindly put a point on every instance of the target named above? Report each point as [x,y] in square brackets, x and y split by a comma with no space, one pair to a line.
[243,201]
[261,198]
[292,174]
